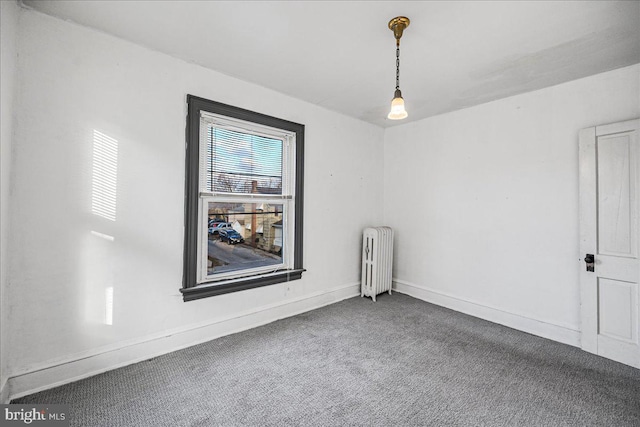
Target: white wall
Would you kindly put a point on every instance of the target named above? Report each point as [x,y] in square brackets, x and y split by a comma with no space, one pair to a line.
[9,12]
[485,202]
[74,81]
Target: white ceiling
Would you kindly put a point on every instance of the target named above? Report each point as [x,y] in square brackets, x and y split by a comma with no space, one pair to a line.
[341,55]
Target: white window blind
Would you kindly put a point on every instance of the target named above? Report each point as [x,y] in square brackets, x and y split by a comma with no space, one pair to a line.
[243,162]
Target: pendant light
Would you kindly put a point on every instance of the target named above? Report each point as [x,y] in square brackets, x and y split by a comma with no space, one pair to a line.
[397,25]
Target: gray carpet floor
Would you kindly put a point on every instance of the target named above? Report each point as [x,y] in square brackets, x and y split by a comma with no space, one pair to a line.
[397,362]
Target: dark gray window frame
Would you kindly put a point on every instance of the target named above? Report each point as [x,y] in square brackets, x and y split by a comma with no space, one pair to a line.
[191,290]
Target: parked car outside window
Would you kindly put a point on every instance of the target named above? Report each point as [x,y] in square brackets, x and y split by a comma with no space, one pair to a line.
[222,226]
[230,236]
[215,221]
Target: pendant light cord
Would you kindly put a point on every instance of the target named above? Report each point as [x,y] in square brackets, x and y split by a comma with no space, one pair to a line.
[398,65]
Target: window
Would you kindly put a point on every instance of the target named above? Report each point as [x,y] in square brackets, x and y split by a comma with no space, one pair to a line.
[243,202]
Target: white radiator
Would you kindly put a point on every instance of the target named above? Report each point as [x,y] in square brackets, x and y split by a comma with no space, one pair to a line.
[377,261]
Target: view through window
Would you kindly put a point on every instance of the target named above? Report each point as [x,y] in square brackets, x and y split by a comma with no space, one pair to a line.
[243,236]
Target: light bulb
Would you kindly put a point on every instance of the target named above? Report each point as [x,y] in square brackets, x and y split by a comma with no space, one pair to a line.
[397,108]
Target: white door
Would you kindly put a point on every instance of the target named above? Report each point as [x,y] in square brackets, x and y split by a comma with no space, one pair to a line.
[609,218]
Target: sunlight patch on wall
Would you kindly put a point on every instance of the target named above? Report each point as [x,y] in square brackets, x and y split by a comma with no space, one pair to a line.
[103,236]
[105,175]
[98,266]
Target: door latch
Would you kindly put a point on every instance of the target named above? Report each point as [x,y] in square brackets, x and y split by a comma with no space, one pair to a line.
[590,260]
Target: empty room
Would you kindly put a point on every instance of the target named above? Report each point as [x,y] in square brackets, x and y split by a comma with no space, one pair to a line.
[320,213]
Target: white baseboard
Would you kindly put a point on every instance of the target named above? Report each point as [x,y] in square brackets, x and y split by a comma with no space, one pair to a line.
[561,333]
[86,365]
[4,392]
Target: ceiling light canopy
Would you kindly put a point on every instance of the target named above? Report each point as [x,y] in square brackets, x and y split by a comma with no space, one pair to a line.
[397,25]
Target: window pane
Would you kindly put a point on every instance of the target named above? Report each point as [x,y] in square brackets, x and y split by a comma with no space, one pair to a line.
[243,236]
[240,162]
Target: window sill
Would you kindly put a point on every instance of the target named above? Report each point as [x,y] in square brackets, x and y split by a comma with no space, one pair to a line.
[234,285]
